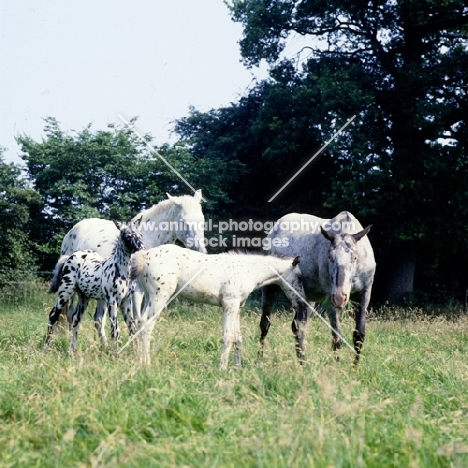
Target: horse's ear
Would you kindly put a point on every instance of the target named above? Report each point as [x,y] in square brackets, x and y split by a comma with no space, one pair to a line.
[198,195]
[330,235]
[137,221]
[359,235]
[173,199]
[296,261]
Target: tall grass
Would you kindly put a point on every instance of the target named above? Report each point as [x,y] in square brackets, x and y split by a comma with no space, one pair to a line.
[406,404]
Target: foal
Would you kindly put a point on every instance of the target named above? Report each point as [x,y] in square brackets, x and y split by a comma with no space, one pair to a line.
[90,276]
[224,280]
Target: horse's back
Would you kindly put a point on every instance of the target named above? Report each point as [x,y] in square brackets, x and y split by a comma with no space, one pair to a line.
[300,234]
[172,259]
[204,278]
[94,234]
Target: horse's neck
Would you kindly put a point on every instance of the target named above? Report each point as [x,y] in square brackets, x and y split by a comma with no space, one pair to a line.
[158,230]
[120,258]
[267,270]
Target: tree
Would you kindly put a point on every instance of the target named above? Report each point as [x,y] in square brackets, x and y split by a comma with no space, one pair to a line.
[270,134]
[16,201]
[78,176]
[107,174]
[401,66]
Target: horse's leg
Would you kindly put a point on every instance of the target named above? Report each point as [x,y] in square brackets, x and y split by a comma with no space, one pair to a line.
[311,309]
[337,339]
[268,298]
[145,326]
[62,323]
[127,311]
[75,321]
[132,307]
[298,326]
[231,333]
[100,321]
[61,305]
[360,330]
[137,301]
[115,331]
[154,304]
[52,324]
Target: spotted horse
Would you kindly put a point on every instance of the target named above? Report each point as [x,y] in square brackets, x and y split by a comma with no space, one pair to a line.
[225,280]
[177,218]
[90,276]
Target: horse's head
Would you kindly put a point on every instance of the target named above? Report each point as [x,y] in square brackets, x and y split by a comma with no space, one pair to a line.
[131,236]
[191,230]
[342,263]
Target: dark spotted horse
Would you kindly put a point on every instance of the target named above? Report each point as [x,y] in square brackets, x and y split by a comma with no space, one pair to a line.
[337,263]
[90,276]
[177,218]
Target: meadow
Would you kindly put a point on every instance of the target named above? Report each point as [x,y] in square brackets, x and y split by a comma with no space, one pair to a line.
[405,405]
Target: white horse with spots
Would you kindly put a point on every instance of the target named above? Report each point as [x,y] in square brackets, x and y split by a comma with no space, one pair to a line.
[224,280]
[178,218]
[337,261]
[91,276]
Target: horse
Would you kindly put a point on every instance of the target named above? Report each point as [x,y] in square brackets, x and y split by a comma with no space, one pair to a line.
[224,280]
[337,262]
[178,218]
[90,276]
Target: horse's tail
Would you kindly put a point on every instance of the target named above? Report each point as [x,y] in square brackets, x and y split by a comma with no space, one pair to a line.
[138,264]
[54,285]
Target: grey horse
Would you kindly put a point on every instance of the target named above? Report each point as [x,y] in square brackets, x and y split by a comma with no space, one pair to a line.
[337,261]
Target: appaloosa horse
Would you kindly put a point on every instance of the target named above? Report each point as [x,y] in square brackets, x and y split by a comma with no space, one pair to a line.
[175,218]
[337,261]
[224,280]
[90,276]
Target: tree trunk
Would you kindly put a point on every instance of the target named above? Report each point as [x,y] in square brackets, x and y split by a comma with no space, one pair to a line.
[400,276]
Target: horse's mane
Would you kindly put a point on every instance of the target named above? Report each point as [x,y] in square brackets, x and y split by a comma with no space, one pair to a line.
[260,253]
[189,202]
[156,209]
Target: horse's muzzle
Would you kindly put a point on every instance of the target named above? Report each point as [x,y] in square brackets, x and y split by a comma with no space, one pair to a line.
[340,299]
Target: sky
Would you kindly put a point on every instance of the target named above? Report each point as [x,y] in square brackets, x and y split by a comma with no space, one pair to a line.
[87,61]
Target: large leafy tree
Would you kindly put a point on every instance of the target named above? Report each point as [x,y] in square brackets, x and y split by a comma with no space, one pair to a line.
[402,67]
[17,200]
[79,175]
[107,174]
[269,134]
[85,173]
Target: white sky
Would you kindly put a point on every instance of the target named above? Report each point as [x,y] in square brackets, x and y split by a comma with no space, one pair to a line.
[86,61]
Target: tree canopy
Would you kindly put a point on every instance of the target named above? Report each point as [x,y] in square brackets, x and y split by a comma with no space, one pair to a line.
[106,174]
[401,67]
[17,201]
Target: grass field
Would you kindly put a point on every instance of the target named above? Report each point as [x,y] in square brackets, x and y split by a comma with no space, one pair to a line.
[405,405]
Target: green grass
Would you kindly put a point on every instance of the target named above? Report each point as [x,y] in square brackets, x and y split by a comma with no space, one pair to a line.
[405,405]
